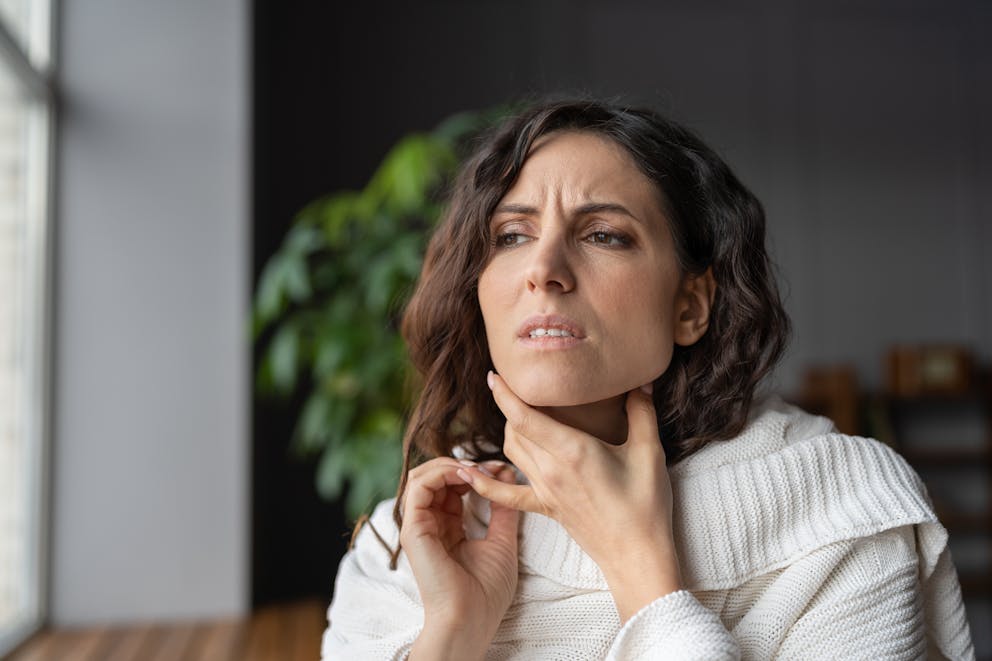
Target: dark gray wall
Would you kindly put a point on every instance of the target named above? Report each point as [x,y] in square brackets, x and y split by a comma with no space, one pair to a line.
[861,126]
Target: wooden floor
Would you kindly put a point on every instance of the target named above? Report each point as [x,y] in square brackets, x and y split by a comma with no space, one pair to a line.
[278,633]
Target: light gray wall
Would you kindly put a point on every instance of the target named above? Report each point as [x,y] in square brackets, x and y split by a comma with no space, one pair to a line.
[151,435]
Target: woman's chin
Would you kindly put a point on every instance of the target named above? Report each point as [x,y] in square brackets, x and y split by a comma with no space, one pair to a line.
[541,396]
[549,402]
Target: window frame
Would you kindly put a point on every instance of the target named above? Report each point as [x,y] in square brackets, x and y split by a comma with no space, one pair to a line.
[39,87]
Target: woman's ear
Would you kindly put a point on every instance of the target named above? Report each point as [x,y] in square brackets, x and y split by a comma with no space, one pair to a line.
[692,307]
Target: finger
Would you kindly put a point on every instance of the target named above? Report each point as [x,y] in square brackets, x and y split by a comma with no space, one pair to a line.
[424,551]
[443,498]
[504,521]
[417,472]
[513,496]
[433,493]
[452,501]
[642,419]
[540,429]
[520,450]
[428,466]
[422,490]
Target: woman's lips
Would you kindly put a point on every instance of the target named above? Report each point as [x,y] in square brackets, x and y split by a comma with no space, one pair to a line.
[550,331]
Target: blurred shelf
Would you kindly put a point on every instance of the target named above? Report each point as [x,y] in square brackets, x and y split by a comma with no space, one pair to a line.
[956,472]
[976,394]
[919,458]
[965,521]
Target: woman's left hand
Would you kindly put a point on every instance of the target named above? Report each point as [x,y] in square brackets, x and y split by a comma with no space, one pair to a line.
[614,500]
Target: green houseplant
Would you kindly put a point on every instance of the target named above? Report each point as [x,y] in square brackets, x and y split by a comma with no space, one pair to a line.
[327,306]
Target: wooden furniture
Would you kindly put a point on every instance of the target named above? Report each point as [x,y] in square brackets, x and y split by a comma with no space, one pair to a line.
[833,392]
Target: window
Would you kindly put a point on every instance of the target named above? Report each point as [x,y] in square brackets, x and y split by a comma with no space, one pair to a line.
[26,115]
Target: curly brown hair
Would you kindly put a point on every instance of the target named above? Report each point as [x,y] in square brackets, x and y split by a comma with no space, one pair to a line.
[707,391]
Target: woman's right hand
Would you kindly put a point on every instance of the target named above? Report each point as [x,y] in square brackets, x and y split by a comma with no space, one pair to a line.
[466,585]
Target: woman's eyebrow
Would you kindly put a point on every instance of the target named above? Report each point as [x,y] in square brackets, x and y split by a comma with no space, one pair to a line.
[582,210]
[605,207]
[521,209]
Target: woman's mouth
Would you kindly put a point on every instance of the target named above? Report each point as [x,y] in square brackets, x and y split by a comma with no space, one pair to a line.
[550,331]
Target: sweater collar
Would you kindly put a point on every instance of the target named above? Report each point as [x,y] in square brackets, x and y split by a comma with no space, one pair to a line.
[787,485]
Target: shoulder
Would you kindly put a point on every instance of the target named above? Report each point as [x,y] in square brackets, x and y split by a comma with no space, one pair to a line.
[795,444]
[377,537]
[788,485]
[369,559]
[376,611]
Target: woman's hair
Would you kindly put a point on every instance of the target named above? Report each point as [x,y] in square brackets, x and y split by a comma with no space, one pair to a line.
[716,222]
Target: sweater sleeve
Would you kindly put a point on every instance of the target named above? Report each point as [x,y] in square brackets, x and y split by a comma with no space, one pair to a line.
[376,612]
[864,598]
[675,626]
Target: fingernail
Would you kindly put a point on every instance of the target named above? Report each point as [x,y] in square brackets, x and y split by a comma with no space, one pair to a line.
[465,475]
[494,465]
[489,379]
[647,387]
[466,462]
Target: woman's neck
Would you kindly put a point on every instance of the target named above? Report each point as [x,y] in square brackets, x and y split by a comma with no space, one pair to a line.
[606,420]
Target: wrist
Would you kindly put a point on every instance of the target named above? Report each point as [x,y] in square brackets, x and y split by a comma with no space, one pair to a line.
[455,640]
[641,579]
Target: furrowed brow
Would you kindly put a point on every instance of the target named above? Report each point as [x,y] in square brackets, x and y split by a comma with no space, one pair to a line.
[521,209]
[583,210]
[605,207]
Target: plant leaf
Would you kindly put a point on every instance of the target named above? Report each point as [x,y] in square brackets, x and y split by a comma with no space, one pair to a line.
[327,306]
[331,473]
[282,358]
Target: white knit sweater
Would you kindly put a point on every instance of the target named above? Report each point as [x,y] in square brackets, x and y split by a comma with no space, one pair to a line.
[795,542]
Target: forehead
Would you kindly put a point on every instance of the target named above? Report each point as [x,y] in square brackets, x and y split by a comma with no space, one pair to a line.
[580,166]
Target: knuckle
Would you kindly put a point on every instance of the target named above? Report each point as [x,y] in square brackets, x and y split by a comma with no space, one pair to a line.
[482,486]
[520,499]
[554,479]
[643,405]
[544,509]
[524,421]
[573,455]
[420,469]
[430,466]
[511,447]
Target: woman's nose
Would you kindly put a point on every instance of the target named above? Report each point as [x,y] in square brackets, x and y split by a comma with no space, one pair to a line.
[549,268]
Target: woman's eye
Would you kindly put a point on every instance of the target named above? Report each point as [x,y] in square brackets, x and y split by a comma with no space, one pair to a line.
[509,239]
[609,239]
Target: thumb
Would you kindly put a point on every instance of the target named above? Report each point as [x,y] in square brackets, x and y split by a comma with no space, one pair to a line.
[642,418]
[499,492]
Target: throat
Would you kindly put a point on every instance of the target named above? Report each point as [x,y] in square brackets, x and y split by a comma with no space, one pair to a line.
[606,419]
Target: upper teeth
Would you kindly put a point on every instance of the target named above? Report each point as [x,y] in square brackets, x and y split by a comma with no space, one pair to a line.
[553,332]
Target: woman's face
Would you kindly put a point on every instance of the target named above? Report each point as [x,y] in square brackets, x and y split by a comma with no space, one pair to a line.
[583,296]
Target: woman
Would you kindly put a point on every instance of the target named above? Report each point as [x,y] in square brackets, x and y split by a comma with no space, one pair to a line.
[589,473]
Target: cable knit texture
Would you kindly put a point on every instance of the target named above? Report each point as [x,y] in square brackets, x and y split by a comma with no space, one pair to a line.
[795,542]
